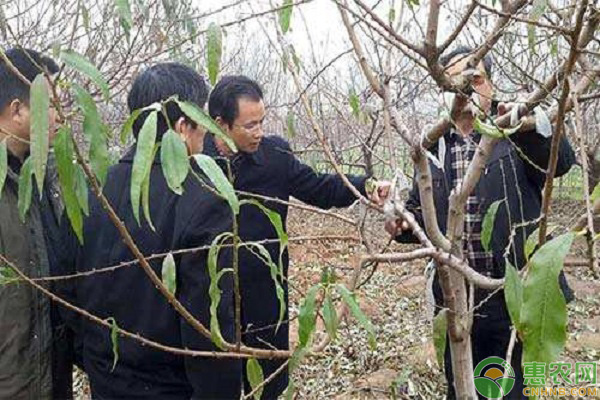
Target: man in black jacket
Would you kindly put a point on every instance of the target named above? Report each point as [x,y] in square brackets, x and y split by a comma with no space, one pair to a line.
[514,173]
[266,166]
[127,294]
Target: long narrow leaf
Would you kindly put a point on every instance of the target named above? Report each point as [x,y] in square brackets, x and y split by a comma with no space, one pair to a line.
[285,15]
[142,161]
[94,131]
[213,291]
[212,170]
[488,224]
[25,189]
[3,165]
[63,149]
[307,317]
[357,313]
[440,327]
[203,119]
[214,50]
[169,273]
[513,294]
[265,256]
[255,376]
[174,160]
[114,338]
[40,142]
[81,64]
[330,317]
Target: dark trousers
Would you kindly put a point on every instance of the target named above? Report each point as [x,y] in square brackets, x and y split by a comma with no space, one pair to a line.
[490,336]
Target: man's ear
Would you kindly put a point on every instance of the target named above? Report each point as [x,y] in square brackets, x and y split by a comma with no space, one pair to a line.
[17,111]
[224,125]
[180,126]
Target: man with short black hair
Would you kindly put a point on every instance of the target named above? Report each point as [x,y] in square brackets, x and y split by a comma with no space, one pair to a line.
[266,166]
[188,220]
[34,356]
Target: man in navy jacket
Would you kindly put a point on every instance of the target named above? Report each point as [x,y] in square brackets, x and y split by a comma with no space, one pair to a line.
[514,173]
[266,166]
[127,294]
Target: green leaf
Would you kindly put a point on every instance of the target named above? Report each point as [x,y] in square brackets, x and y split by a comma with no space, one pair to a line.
[174,160]
[262,253]
[531,243]
[255,376]
[168,273]
[362,319]
[3,165]
[142,162]
[595,193]
[544,313]
[212,170]
[214,50]
[296,60]
[440,327]
[493,131]
[40,141]
[85,15]
[81,190]
[63,149]
[537,10]
[94,131]
[81,64]
[201,118]
[290,122]
[330,317]
[513,294]
[354,103]
[307,317]
[213,291]
[25,189]
[124,11]
[274,218]
[146,191]
[128,126]
[114,339]
[488,224]
[392,15]
[285,15]
[8,276]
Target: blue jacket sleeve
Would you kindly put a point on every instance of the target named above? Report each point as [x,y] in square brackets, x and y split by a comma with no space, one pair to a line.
[204,217]
[321,190]
[535,149]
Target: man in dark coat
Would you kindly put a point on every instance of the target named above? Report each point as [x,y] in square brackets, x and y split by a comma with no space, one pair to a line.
[127,294]
[514,173]
[266,166]
[34,356]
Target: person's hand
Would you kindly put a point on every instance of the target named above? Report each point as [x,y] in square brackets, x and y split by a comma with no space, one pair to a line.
[379,192]
[517,110]
[396,227]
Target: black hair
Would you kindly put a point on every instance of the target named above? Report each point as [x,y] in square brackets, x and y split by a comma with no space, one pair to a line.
[464,50]
[160,82]
[28,63]
[223,101]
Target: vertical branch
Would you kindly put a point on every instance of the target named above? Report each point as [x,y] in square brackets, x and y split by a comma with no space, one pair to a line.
[362,60]
[562,109]
[586,185]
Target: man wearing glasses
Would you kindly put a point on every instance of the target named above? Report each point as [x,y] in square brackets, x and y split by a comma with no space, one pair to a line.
[514,174]
[266,166]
